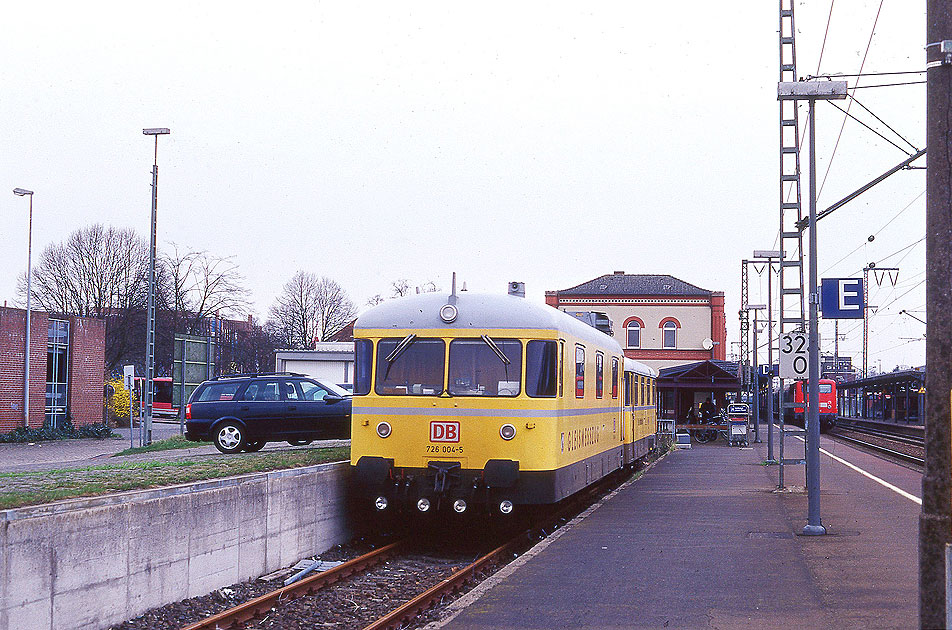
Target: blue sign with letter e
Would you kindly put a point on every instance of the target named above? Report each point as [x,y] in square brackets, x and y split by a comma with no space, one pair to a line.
[842,298]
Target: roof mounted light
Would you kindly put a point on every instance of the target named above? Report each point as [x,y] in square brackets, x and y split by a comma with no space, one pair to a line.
[448,313]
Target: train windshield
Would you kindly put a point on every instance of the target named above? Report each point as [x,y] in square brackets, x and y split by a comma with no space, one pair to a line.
[410,366]
[826,388]
[485,367]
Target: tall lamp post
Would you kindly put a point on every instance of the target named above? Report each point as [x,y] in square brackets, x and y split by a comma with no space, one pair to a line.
[20,192]
[755,398]
[811,92]
[770,255]
[150,323]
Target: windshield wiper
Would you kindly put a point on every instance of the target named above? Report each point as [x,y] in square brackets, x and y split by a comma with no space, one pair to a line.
[499,353]
[401,347]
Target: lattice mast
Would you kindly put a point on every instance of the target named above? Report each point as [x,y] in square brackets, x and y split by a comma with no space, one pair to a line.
[792,304]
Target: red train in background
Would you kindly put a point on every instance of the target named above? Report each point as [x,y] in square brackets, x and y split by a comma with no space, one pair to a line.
[828,410]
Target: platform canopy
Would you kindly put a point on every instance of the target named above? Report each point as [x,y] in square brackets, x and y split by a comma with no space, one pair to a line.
[710,375]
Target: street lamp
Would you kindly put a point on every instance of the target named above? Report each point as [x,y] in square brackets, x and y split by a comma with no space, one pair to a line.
[811,92]
[150,324]
[20,192]
[770,255]
[755,398]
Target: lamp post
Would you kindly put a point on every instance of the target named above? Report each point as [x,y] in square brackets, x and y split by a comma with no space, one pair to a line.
[770,255]
[755,398]
[20,192]
[150,323]
[812,91]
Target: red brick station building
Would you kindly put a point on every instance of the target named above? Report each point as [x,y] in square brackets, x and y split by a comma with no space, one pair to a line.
[67,355]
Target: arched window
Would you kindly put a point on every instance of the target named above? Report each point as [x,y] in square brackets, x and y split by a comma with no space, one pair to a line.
[669,335]
[633,334]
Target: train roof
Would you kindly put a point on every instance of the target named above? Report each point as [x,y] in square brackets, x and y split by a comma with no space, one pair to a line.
[477,311]
[639,368]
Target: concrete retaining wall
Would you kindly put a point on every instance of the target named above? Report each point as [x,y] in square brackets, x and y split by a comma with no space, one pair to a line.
[90,563]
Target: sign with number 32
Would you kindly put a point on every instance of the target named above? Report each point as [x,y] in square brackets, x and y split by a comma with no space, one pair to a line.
[793,356]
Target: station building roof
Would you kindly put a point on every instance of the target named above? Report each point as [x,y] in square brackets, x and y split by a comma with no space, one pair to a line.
[621,283]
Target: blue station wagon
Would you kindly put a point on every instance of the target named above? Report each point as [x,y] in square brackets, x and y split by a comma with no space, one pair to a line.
[245,412]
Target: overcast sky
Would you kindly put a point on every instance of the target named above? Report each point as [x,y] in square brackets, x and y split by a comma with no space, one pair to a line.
[539,141]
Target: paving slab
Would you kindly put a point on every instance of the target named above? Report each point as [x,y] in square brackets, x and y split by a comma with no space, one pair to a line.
[705,540]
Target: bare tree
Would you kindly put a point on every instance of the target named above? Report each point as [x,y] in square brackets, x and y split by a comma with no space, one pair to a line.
[309,308]
[375,300]
[197,286]
[103,272]
[95,271]
[293,318]
[334,308]
[400,287]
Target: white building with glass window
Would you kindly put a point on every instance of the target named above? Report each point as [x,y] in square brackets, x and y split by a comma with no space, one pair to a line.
[659,320]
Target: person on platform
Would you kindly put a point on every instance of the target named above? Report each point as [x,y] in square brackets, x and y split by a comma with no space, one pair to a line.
[707,410]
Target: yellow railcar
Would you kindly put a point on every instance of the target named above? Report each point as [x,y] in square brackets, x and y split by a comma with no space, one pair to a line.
[490,401]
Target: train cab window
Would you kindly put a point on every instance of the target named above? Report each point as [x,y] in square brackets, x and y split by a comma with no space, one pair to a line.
[542,364]
[599,374]
[579,372]
[825,388]
[614,378]
[363,360]
[485,366]
[410,366]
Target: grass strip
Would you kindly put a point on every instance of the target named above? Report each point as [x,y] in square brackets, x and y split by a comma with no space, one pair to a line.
[21,489]
[172,443]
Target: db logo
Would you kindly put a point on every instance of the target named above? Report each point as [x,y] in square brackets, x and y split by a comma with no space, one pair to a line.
[444,431]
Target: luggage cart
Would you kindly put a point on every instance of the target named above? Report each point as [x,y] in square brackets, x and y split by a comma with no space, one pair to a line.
[738,419]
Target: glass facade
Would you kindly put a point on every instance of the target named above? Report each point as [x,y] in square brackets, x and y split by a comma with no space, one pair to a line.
[57,371]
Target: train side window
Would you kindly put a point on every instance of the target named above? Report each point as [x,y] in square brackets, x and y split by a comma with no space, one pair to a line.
[635,389]
[363,360]
[541,368]
[579,372]
[627,386]
[561,365]
[614,378]
[599,374]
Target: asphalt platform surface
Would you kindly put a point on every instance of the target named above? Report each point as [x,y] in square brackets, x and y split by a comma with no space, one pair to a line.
[705,540]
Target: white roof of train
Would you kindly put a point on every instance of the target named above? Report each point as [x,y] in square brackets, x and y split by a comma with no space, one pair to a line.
[639,368]
[477,311]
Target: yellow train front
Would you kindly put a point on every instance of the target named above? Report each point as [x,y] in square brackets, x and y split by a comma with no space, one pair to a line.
[489,402]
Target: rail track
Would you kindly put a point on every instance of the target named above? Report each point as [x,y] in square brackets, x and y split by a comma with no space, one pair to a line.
[264,611]
[899,443]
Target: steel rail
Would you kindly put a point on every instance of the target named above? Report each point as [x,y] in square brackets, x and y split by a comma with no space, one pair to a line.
[259,606]
[882,450]
[456,582]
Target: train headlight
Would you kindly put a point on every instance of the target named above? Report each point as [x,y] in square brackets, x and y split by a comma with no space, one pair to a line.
[505,506]
[507,432]
[384,429]
[381,503]
[423,504]
[459,506]
[448,313]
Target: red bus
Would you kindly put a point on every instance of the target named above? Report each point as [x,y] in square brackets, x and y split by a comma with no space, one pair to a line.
[161,397]
[828,411]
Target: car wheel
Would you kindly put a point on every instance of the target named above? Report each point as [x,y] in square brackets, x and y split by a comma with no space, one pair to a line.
[254,447]
[299,442]
[229,437]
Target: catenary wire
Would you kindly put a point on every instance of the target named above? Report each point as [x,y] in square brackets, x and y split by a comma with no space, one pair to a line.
[839,136]
[883,122]
[849,115]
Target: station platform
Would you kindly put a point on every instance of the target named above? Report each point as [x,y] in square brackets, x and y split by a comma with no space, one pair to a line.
[703,539]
